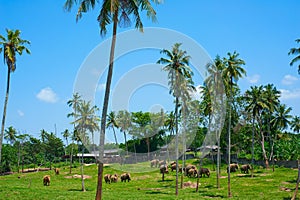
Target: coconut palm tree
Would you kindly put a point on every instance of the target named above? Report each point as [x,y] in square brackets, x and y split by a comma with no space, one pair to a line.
[10,134]
[213,100]
[112,123]
[255,103]
[180,82]
[66,135]
[86,121]
[282,117]
[124,123]
[11,46]
[271,95]
[296,52]
[115,12]
[295,124]
[232,72]
[74,103]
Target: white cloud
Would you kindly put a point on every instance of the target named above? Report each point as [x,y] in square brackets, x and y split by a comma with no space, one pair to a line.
[253,79]
[20,113]
[101,87]
[289,80]
[47,95]
[290,94]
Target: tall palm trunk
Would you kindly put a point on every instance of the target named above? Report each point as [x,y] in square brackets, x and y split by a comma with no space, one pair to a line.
[252,149]
[297,184]
[4,113]
[125,140]
[105,106]
[81,169]
[176,143]
[115,137]
[218,161]
[148,147]
[71,157]
[229,139]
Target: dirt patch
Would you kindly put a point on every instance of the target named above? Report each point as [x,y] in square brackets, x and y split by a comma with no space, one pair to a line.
[78,176]
[189,184]
[285,183]
[223,176]
[285,189]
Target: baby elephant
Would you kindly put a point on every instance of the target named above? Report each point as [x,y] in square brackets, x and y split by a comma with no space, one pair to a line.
[46,180]
[107,178]
[125,176]
[233,167]
[245,168]
[154,163]
[114,178]
[204,171]
[192,173]
[56,170]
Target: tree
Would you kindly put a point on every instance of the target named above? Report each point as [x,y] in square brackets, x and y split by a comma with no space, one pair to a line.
[255,104]
[295,124]
[233,71]
[112,123]
[116,12]
[180,76]
[66,135]
[282,117]
[271,95]
[74,103]
[10,134]
[296,52]
[86,120]
[212,103]
[11,46]
[124,123]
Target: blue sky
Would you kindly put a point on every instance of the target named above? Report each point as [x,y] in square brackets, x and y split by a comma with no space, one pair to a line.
[262,32]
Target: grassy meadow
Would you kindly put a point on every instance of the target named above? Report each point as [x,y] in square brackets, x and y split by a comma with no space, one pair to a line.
[148,185]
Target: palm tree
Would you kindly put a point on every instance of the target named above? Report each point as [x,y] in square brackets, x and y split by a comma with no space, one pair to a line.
[232,71]
[124,123]
[180,82]
[255,104]
[66,135]
[112,123]
[295,124]
[116,12]
[282,117]
[74,103]
[10,134]
[295,51]
[271,95]
[212,100]
[11,46]
[86,120]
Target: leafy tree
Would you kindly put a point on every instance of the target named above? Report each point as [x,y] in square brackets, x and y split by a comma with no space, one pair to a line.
[296,52]
[115,12]
[180,82]
[11,46]
[232,72]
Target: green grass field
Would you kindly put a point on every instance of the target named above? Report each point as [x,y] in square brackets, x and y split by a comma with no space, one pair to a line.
[148,185]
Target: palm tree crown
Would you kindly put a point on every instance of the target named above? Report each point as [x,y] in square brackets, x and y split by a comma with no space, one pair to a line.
[295,51]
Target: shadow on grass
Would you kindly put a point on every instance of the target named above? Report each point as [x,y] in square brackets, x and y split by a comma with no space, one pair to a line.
[292,181]
[160,181]
[246,176]
[289,198]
